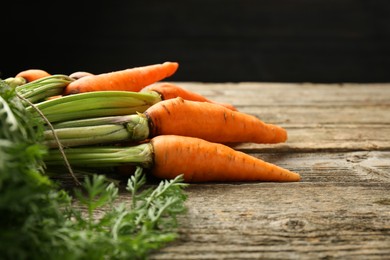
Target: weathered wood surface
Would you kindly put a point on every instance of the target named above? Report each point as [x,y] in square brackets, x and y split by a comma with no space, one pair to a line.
[339,140]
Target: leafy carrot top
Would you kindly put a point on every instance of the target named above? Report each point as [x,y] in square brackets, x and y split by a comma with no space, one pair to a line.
[39,220]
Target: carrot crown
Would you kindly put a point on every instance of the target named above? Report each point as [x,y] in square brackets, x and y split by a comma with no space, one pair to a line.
[138,127]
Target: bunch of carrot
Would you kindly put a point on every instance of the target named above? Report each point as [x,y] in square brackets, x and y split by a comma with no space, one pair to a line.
[130,118]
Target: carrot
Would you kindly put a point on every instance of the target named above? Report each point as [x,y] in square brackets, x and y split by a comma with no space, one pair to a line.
[133,79]
[177,116]
[79,74]
[168,156]
[209,121]
[203,161]
[33,74]
[169,90]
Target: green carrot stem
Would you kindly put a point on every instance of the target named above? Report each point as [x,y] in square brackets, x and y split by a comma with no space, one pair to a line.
[58,86]
[45,87]
[123,128]
[60,117]
[96,104]
[146,97]
[93,121]
[93,103]
[94,157]
[87,135]
[44,95]
[52,78]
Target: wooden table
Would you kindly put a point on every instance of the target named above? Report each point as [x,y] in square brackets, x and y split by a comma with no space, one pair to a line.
[339,141]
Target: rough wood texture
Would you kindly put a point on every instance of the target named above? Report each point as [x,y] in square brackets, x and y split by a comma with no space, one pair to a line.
[338,141]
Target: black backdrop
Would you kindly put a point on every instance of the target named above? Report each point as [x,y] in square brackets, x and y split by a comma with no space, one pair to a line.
[213,40]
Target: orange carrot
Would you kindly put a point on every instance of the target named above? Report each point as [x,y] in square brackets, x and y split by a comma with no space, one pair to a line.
[168,156]
[203,161]
[79,74]
[32,74]
[133,79]
[209,121]
[169,90]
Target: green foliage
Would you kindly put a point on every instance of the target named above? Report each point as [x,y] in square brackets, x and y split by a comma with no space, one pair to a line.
[132,230]
[29,201]
[38,220]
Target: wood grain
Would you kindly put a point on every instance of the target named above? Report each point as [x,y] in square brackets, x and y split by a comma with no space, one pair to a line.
[338,142]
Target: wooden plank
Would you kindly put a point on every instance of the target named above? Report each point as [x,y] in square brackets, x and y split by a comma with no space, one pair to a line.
[311,139]
[266,94]
[295,221]
[341,208]
[338,142]
[346,168]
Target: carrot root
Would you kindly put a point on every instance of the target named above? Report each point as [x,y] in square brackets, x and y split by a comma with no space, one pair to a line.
[133,79]
[169,90]
[211,122]
[202,161]
[79,74]
[33,74]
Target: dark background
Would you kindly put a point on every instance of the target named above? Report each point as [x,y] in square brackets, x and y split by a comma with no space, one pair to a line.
[213,40]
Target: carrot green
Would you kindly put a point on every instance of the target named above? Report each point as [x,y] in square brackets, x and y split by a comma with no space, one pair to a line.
[39,219]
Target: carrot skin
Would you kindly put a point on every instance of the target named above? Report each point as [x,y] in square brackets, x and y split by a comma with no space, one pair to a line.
[79,74]
[33,74]
[169,90]
[202,161]
[210,122]
[133,79]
